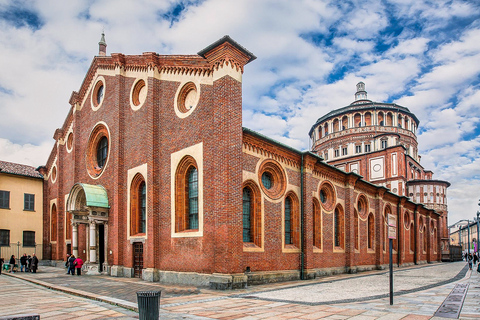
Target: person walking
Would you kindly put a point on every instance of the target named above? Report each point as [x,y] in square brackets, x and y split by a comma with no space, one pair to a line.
[23,263]
[1,265]
[34,266]
[12,264]
[475,258]
[78,266]
[470,261]
[71,265]
[29,263]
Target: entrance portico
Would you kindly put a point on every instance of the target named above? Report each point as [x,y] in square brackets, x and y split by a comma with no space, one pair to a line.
[88,205]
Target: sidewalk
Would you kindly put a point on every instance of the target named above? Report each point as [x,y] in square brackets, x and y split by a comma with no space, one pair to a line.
[419,292]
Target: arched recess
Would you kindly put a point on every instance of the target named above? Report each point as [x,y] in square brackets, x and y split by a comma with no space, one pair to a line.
[355,229]
[339,228]
[291,220]
[368,119]
[336,125]
[344,123]
[317,224]
[252,214]
[53,223]
[381,119]
[371,231]
[186,195]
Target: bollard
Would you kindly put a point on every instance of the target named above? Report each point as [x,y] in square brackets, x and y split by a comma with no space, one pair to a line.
[148,304]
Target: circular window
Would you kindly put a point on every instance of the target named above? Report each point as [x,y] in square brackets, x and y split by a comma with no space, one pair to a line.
[327,196]
[362,206]
[98,94]
[70,142]
[97,151]
[139,94]
[187,99]
[272,178]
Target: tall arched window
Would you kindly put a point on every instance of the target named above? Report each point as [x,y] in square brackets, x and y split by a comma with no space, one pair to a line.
[192,192]
[247,212]
[186,195]
[412,238]
[317,224]
[252,215]
[288,220]
[53,223]
[102,152]
[291,220]
[355,229]
[339,232]
[138,205]
[371,231]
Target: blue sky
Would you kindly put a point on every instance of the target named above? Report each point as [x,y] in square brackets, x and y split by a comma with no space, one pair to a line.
[424,55]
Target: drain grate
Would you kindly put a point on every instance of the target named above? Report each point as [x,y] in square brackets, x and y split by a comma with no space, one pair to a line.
[452,305]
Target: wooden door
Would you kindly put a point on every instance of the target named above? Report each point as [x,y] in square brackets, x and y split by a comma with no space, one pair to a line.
[137,259]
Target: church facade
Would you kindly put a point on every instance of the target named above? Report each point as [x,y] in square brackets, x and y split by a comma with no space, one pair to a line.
[152,175]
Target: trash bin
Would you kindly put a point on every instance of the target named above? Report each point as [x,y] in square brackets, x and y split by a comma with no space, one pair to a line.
[148,304]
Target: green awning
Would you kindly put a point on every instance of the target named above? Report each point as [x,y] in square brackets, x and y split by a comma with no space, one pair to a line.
[96,195]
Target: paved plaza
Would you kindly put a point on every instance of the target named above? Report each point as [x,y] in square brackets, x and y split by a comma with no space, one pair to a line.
[419,292]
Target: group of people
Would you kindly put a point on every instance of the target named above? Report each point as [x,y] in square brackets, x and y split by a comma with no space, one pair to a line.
[472,259]
[73,263]
[27,263]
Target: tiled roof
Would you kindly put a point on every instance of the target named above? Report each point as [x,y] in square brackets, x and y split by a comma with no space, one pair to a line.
[19,169]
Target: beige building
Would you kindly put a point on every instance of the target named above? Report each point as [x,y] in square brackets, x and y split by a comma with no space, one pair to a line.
[21,208]
[460,236]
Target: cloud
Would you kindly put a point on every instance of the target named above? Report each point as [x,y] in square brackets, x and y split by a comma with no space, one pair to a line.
[29,154]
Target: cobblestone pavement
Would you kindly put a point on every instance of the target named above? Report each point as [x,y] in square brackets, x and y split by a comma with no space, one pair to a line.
[419,292]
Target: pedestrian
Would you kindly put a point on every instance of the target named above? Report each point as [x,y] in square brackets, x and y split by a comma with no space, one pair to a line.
[23,263]
[1,265]
[470,260]
[12,264]
[78,265]
[475,257]
[71,265]
[66,261]
[34,265]
[29,263]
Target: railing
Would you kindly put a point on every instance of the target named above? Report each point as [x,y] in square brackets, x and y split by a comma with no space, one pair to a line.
[366,129]
[18,249]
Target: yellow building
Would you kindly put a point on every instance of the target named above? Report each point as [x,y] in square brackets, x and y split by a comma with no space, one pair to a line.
[21,209]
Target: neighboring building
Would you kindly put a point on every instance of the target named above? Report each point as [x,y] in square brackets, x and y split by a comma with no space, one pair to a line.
[153,176]
[378,141]
[21,210]
[460,237]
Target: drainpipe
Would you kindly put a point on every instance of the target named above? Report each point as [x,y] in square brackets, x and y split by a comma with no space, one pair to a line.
[415,227]
[399,248]
[302,232]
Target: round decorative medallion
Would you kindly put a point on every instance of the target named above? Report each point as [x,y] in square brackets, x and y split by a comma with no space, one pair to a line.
[98,93]
[187,99]
[139,94]
[362,207]
[377,167]
[328,197]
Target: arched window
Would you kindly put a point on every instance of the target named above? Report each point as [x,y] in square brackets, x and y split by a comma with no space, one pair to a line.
[138,205]
[291,221]
[424,239]
[317,224]
[252,215]
[355,229]
[381,119]
[412,238]
[53,224]
[186,195]
[247,212]
[339,228]
[336,125]
[357,120]
[368,119]
[344,123]
[192,192]
[371,231]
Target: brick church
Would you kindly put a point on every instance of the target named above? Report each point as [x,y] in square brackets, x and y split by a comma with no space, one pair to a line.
[152,175]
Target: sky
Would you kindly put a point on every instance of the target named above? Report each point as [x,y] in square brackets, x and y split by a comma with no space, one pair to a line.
[421,54]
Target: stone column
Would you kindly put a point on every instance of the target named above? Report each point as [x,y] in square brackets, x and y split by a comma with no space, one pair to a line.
[75,239]
[92,245]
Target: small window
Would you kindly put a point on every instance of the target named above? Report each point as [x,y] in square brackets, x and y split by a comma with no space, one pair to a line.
[358,149]
[267,180]
[29,238]
[193,199]
[367,148]
[29,202]
[99,94]
[102,151]
[344,151]
[384,144]
[4,199]
[4,238]
[143,207]
[337,153]
[288,224]
[247,211]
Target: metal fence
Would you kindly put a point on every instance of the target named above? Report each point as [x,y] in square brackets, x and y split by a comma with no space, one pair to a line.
[17,249]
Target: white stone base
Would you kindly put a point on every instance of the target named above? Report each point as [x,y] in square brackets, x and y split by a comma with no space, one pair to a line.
[91,269]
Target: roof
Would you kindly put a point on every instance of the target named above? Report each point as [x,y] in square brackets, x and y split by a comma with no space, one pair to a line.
[19,169]
[227,38]
[364,105]
[96,196]
[426,181]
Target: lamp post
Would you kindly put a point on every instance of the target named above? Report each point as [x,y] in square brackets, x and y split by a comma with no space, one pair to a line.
[468,229]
